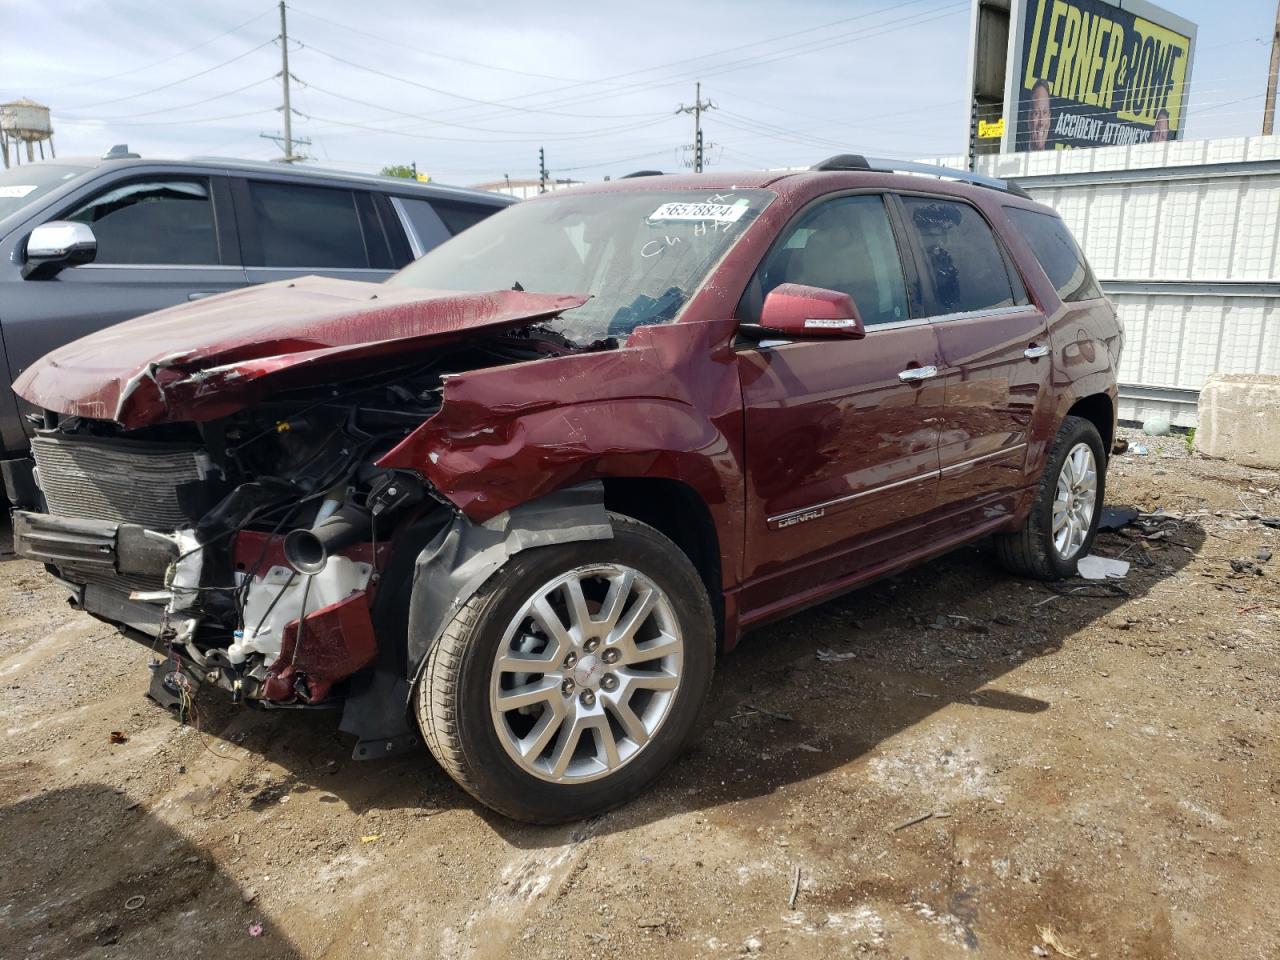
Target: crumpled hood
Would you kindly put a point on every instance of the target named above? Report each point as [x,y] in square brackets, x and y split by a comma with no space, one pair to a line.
[207,359]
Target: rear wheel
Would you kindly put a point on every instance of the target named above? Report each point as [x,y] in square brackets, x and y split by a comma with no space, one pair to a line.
[1063,521]
[572,677]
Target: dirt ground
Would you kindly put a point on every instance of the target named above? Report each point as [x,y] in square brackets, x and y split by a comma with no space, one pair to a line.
[1098,777]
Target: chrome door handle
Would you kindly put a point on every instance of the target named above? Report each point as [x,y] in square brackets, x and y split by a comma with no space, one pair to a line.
[1035,352]
[916,374]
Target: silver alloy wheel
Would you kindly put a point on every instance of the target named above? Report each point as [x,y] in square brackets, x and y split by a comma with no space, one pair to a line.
[586,673]
[1075,501]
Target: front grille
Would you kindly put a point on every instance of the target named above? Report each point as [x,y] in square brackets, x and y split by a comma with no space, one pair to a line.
[117,480]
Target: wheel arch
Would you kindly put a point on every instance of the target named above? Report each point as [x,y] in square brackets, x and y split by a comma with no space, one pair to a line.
[676,510]
[1099,409]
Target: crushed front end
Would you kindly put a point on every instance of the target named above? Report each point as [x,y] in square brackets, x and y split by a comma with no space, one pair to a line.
[249,549]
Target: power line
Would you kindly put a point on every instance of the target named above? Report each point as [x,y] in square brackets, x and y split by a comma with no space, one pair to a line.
[193,103]
[174,83]
[433,53]
[701,59]
[532,138]
[149,66]
[462,126]
[447,93]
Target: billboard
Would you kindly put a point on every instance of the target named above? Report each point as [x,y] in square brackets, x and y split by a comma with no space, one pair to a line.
[1093,74]
[1060,74]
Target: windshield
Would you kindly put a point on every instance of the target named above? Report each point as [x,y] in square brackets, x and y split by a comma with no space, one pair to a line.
[640,256]
[22,185]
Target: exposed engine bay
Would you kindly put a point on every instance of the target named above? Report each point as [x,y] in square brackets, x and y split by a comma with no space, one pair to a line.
[254,549]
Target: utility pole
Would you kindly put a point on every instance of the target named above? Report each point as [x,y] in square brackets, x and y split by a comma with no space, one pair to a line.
[699,105]
[287,142]
[284,76]
[1269,114]
[542,170]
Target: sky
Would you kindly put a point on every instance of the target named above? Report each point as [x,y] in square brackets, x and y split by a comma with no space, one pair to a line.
[469,92]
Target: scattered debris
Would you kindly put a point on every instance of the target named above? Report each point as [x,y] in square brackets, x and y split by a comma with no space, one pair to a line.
[371,838]
[795,888]
[1094,567]
[116,736]
[1113,518]
[1246,567]
[808,748]
[1138,449]
[135,902]
[1050,939]
[249,895]
[1156,427]
[827,655]
[255,929]
[1264,554]
[912,822]
[768,713]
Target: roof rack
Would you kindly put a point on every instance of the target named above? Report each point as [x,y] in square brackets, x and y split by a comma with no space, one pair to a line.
[855,161]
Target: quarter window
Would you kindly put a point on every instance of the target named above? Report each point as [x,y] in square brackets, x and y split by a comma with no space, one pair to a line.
[307,226]
[1058,253]
[845,244]
[963,264]
[458,216]
[153,222]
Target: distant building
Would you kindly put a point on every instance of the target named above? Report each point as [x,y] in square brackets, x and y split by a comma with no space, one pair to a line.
[524,189]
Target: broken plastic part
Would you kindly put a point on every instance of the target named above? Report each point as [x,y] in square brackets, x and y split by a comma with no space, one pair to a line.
[274,600]
[465,554]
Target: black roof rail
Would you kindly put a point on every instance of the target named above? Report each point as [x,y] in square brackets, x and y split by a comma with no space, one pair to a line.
[642,173]
[854,161]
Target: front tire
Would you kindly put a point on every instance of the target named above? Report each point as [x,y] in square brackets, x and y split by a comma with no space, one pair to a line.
[572,677]
[1063,522]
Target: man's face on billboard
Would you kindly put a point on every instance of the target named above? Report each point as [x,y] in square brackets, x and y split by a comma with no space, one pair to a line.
[1039,120]
[1160,132]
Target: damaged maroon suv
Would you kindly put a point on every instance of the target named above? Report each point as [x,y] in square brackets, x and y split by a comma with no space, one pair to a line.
[517,499]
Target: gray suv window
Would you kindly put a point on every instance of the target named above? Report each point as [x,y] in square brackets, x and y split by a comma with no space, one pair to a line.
[153,222]
[962,259]
[303,226]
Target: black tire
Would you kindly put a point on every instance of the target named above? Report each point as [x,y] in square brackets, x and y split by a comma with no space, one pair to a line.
[1030,552]
[452,696]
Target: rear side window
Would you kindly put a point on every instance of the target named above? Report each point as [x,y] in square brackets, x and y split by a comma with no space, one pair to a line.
[153,222]
[458,216]
[963,263]
[1058,253]
[303,226]
[845,244]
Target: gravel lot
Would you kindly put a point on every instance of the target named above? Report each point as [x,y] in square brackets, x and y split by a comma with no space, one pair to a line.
[950,763]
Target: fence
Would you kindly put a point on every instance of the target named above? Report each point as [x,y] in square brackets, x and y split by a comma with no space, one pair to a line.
[1185,237]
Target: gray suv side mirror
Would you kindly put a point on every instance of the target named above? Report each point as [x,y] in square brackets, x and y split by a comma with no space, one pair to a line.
[57,244]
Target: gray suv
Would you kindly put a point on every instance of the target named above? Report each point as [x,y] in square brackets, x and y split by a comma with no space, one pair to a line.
[85,244]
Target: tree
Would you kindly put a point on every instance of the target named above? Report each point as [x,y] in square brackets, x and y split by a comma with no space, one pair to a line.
[399,170]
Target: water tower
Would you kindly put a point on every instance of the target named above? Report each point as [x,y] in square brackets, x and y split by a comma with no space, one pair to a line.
[24,121]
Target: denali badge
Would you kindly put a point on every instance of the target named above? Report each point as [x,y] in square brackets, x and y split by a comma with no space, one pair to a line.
[801,517]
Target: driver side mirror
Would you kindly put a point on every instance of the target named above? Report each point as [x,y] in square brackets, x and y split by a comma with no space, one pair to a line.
[57,244]
[799,312]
